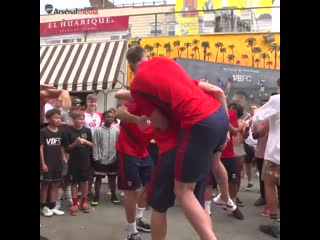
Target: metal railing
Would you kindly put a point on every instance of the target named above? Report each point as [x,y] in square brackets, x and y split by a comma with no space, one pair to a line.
[225,20]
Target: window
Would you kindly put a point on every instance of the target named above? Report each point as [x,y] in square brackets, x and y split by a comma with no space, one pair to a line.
[50,42]
[156,28]
[115,37]
[71,40]
[171,28]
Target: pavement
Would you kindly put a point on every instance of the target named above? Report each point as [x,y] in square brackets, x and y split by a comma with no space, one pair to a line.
[107,222]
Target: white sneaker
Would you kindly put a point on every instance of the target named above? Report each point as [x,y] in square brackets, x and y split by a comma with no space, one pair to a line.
[122,194]
[57,212]
[46,212]
[109,193]
[231,206]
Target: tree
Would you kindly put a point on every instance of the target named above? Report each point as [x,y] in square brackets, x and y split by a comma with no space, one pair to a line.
[232,46]
[148,48]
[170,50]
[156,46]
[195,43]
[209,55]
[187,45]
[257,61]
[256,50]
[167,47]
[177,45]
[223,50]
[195,49]
[238,62]
[192,55]
[264,56]
[152,54]
[230,58]
[275,47]
[251,42]
[218,45]
[205,45]
[181,50]
[269,63]
[245,56]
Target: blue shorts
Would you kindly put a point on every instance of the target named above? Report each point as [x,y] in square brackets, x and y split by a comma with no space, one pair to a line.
[196,145]
[161,189]
[133,172]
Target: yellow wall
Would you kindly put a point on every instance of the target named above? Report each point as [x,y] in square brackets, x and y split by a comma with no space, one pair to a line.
[238,40]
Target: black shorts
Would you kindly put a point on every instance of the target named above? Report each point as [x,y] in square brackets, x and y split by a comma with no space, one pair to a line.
[248,158]
[103,169]
[51,176]
[79,175]
[154,152]
[133,172]
[231,167]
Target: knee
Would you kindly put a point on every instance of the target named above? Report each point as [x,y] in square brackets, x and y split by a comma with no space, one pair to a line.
[180,189]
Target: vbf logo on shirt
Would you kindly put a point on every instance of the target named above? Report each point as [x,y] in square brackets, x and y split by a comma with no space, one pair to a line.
[53,141]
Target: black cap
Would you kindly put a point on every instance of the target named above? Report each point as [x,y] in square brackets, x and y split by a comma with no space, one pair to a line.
[76,101]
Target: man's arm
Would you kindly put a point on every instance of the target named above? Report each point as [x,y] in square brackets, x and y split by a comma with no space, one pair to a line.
[269,109]
[215,92]
[123,95]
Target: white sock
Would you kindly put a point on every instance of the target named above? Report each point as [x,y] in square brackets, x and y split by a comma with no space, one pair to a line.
[207,206]
[60,193]
[139,212]
[132,228]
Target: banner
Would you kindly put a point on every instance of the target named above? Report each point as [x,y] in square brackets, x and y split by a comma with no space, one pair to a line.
[187,21]
[120,23]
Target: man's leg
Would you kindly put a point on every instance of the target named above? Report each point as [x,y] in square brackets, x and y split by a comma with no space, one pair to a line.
[159,225]
[262,200]
[97,188]
[270,181]
[248,162]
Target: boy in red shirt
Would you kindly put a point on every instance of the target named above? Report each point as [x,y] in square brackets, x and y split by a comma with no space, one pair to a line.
[134,170]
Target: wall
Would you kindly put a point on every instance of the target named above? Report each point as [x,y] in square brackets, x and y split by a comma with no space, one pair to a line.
[222,48]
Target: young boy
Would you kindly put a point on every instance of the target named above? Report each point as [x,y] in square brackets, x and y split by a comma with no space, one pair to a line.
[51,155]
[104,157]
[78,140]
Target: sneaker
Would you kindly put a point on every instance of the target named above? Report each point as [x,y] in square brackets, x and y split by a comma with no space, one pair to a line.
[74,210]
[272,230]
[249,186]
[94,203]
[238,214]
[265,212]
[260,202]
[134,236]
[230,205]
[239,202]
[115,199]
[142,225]
[85,208]
[109,193]
[57,212]
[46,212]
[122,194]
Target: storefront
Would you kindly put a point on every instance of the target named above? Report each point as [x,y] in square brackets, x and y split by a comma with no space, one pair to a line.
[81,56]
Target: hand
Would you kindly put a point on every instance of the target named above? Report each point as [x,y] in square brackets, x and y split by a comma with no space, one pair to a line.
[81,140]
[44,168]
[144,122]
[46,86]
[121,112]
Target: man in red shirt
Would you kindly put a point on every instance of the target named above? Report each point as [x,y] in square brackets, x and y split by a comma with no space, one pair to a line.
[134,171]
[229,161]
[162,88]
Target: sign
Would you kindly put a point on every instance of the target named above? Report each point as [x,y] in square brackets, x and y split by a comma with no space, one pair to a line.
[186,17]
[119,23]
[255,84]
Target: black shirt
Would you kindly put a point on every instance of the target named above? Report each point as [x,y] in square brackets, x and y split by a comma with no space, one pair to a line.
[51,142]
[80,155]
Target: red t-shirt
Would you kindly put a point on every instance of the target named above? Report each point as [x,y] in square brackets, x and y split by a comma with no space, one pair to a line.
[167,139]
[161,83]
[228,151]
[132,140]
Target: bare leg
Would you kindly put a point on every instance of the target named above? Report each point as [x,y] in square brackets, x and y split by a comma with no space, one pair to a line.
[193,210]
[271,195]
[248,171]
[54,192]
[221,176]
[130,201]
[158,225]
[44,193]
[208,199]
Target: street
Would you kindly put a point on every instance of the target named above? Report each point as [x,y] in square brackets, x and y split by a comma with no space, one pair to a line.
[107,221]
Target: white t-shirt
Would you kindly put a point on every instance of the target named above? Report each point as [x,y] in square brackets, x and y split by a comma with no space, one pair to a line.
[271,111]
[92,121]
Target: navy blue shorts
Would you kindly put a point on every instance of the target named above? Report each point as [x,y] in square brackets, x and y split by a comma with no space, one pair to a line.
[196,145]
[161,189]
[133,172]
